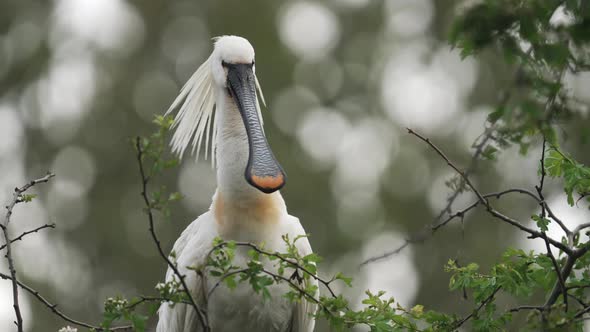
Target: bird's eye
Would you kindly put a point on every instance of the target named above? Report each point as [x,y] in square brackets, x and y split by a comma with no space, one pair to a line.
[224,64]
[252,65]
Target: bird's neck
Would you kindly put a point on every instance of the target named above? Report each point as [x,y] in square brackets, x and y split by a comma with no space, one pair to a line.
[241,211]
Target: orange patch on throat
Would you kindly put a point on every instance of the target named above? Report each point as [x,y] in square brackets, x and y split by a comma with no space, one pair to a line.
[269,182]
[228,214]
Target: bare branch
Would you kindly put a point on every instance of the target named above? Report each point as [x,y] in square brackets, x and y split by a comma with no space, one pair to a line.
[450,164]
[483,200]
[53,308]
[17,198]
[581,227]
[527,307]
[431,229]
[582,312]
[20,237]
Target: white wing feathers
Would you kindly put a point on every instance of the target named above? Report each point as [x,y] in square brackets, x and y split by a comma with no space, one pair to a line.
[191,248]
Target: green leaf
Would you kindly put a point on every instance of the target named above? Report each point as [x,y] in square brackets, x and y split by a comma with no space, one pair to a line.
[27,197]
[542,223]
[139,322]
[489,152]
[344,279]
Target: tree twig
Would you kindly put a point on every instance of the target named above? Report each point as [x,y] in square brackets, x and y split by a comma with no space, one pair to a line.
[437,223]
[565,272]
[20,237]
[481,305]
[293,264]
[542,202]
[526,307]
[53,308]
[144,193]
[430,230]
[484,201]
[560,279]
[17,198]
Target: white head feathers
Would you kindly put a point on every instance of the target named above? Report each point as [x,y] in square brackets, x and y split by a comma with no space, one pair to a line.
[197,98]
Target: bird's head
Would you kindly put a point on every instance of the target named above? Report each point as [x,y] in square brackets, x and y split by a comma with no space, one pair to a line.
[230,50]
[230,70]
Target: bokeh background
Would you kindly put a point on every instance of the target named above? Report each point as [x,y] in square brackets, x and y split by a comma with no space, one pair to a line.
[342,79]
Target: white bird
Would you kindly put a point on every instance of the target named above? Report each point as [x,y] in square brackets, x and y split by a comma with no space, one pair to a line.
[247,205]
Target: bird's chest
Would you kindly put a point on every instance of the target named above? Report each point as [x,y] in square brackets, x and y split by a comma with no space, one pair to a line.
[242,309]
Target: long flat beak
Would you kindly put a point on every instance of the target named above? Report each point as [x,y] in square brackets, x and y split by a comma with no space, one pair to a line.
[263,171]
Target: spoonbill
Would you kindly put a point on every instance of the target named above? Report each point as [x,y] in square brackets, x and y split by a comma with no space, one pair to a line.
[246,206]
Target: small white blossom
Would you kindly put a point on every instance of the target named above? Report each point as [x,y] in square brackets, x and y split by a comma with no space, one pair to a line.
[68,329]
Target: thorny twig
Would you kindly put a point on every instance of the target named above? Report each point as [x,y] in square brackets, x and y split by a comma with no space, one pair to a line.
[459,214]
[53,308]
[437,223]
[560,280]
[17,198]
[572,253]
[20,237]
[565,272]
[144,193]
[479,150]
[481,305]
[484,201]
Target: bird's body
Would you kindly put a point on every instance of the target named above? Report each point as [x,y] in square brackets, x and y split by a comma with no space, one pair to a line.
[246,207]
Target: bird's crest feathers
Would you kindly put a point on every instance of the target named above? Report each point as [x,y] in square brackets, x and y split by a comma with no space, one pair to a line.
[195,120]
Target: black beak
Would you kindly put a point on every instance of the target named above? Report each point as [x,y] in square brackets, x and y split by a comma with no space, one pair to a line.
[263,171]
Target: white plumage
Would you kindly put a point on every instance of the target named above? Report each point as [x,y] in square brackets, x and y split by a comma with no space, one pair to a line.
[247,205]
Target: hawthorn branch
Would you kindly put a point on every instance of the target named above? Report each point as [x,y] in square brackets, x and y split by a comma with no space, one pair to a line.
[17,198]
[578,300]
[296,286]
[560,279]
[581,227]
[20,237]
[487,300]
[527,307]
[565,273]
[19,317]
[144,193]
[57,312]
[539,189]
[430,230]
[279,256]
[484,201]
[582,312]
[222,278]
[143,299]
[544,206]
